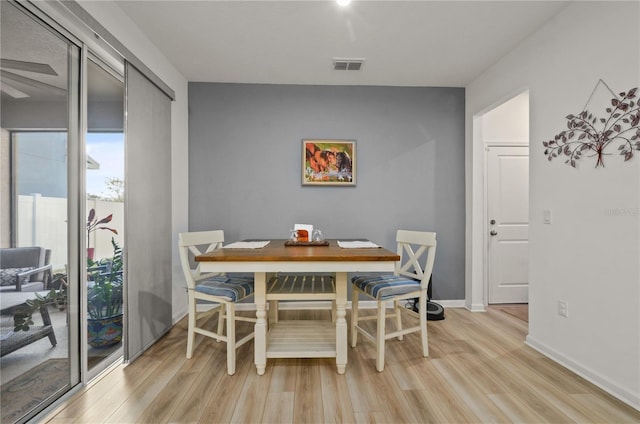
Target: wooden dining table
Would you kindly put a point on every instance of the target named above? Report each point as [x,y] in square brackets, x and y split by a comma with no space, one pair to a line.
[276,257]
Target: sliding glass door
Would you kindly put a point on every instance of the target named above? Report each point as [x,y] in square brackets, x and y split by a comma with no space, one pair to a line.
[105,185]
[64,279]
[39,272]
[61,213]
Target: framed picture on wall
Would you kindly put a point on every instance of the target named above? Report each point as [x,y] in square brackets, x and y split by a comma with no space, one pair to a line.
[328,162]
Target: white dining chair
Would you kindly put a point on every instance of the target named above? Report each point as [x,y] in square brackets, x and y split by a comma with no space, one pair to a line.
[409,280]
[218,289]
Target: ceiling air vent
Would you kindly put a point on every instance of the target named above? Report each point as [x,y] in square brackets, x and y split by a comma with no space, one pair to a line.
[347,64]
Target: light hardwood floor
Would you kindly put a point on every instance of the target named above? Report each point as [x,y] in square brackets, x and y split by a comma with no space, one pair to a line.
[479,370]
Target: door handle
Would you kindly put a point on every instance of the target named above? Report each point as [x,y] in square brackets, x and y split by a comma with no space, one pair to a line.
[493,233]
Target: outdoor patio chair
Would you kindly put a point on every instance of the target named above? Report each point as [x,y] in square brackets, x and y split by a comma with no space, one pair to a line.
[24,268]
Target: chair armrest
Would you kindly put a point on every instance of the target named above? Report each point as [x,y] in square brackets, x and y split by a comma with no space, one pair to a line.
[33,271]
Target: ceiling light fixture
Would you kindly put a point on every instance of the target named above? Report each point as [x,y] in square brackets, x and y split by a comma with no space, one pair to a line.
[343,2]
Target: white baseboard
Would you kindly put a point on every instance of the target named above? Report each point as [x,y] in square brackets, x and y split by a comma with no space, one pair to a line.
[475,307]
[450,303]
[631,399]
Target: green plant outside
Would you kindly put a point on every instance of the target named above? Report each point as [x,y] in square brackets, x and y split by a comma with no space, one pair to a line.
[23,319]
[104,297]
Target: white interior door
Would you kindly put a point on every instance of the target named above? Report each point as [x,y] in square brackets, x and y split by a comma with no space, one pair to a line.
[508,214]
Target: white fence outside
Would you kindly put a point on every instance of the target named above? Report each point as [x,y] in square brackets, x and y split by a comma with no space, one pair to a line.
[42,221]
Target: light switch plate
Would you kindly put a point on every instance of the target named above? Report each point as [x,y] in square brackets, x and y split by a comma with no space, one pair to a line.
[546,216]
[563,308]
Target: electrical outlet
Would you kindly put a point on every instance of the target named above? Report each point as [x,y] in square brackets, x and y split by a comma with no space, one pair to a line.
[563,308]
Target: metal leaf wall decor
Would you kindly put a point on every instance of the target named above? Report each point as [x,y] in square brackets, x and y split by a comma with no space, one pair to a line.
[588,135]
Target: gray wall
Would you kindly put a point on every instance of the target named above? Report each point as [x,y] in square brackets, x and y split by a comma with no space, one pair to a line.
[245,149]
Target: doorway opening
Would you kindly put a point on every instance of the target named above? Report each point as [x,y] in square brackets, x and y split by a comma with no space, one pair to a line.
[505,136]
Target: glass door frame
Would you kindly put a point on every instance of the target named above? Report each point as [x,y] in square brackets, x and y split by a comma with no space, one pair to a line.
[111,359]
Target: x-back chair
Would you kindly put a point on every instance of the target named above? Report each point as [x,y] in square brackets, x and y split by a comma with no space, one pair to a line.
[220,289]
[410,280]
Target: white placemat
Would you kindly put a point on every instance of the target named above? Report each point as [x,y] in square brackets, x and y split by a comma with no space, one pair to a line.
[356,244]
[247,245]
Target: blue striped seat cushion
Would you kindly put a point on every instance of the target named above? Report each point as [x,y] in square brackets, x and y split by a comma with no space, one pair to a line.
[385,286]
[232,289]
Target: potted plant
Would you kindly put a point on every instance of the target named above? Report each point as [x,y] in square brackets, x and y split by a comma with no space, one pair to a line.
[93,224]
[104,299]
[60,284]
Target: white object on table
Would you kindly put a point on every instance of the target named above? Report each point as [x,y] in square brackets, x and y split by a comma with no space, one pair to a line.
[247,245]
[307,227]
[356,244]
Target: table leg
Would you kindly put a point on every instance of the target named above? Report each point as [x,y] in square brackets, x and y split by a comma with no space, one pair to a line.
[44,313]
[341,321]
[260,341]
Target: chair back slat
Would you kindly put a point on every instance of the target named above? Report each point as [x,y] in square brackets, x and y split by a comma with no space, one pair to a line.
[416,237]
[198,238]
[194,250]
[188,244]
[409,264]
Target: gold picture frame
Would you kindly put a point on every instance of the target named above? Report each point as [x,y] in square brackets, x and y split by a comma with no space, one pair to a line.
[328,162]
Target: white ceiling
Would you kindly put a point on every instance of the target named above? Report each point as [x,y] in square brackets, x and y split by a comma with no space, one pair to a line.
[405,43]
